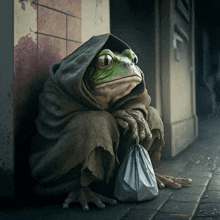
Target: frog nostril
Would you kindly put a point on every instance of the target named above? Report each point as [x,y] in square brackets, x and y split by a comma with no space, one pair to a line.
[125,64]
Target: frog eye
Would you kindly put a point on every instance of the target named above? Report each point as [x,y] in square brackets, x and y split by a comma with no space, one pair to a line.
[105,61]
[135,59]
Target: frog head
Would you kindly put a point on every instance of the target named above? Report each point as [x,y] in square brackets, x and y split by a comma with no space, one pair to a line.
[113,75]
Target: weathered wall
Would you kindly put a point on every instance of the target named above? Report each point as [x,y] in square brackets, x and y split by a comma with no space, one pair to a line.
[95,18]
[45,31]
[178,79]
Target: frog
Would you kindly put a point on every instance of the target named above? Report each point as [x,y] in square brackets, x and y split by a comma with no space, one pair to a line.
[110,77]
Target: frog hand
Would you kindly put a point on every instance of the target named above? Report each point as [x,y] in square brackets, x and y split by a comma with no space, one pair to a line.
[172,182]
[85,196]
[134,120]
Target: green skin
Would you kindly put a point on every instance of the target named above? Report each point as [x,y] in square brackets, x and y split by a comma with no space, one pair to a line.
[123,63]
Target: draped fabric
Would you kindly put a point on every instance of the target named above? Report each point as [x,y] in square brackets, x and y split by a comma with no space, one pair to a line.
[78,142]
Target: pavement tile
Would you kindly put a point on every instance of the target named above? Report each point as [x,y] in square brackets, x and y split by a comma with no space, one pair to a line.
[212,194]
[206,218]
[190,189]
[177,166]
[213,187]
[209,206]
[216,177]
[208,200]
[195,167]
[166,171]
[179,207]
[165,192]
[186,197]
[56,212]
[205,213]
[196,173]
[161,163]
[214,183]
[143,214]
[171,216]
[197,181]
[156,203]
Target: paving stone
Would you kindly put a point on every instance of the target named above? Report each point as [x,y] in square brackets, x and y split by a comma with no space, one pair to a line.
[52,212]
[171,216]
[191,190]
[204,213]
[214,183]
[179,207]
[164,192]
[212,194]
[208,200]
[176,165]
[161,163]
[213,187]
[144,214]
[196,173]
[186,197]
[209,206]
[197,167]
[154,204]
[216,177]
[197,181]
[206,218]
[166,171]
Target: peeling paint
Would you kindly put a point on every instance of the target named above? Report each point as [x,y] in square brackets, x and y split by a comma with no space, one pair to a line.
[25,77]
[22,4]
[25,20]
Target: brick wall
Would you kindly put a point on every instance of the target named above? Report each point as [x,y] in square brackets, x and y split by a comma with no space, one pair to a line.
[59,30]
[45,31]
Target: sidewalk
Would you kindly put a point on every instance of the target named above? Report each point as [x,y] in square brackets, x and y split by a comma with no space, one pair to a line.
[201,200]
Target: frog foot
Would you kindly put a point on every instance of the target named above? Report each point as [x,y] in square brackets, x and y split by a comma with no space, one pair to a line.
[85,195]
[172,182]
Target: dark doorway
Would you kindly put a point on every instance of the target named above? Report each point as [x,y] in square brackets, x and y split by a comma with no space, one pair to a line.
[207,46]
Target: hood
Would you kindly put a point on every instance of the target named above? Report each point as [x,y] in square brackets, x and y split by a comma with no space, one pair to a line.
[68,73]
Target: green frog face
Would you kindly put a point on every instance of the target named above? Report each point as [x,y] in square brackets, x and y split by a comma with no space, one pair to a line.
[112,66]
[113,76]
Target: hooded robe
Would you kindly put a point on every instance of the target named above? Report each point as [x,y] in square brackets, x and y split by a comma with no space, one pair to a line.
[79,142]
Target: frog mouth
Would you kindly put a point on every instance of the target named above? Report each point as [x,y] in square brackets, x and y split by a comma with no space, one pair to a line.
[132,77]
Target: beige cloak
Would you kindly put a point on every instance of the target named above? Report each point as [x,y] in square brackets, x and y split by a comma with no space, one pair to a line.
[78,142]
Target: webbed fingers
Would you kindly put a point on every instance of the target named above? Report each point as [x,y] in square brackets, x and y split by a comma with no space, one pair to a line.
[122,123]
[130,120]
[185,181]
[92,197]
[71,198]
[144,130]
[97,201]
[106,200]
[168,182]
[83,200]
[159,183]
[148,132]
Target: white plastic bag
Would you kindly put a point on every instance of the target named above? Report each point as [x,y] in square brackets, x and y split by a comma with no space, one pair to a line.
[136,180]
